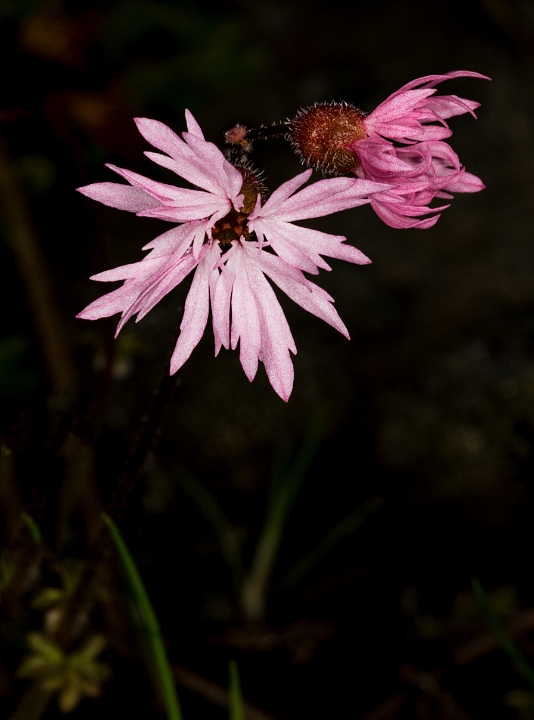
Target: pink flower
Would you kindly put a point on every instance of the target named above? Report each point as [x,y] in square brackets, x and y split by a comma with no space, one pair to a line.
[423,168]
[400,144]
[233,243]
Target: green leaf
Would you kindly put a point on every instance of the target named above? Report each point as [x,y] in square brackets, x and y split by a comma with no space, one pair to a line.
[91,649]
[343,529]
[45,647]
[236,707]
[506,643]
[34,666]
[69,697]
[224,530]
[285,485]
[32,527]
[150,622]
[47,598]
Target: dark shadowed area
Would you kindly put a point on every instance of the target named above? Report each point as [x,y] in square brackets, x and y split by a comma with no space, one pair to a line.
[328,545]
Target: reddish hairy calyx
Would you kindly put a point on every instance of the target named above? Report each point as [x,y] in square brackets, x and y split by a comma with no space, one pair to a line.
[322,134]
[252,187]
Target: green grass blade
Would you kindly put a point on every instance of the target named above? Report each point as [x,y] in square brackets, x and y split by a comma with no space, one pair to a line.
[283,455]
[284,491]
[506,643]
[224,530]
[150,622]
[287,487]
[33,529]
[342,529]
[236,706]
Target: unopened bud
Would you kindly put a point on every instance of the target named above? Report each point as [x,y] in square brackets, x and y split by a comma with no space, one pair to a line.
[323,134]
[237,136]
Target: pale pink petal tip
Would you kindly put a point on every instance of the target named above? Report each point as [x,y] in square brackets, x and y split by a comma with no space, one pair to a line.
[192,126]
[121,197]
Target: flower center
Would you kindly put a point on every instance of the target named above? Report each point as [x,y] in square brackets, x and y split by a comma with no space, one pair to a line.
[231,227]
[322,135]
[234,225]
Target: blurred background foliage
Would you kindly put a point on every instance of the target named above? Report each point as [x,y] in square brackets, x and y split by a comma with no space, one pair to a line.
[326,545]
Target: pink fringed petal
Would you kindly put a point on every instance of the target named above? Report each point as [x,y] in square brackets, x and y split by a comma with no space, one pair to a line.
[394,219]
[245,319]
[397,105]
[175,240]
[169,195]
[308,295]
[111,303]
[326,197]
[276,339]
[447,106]
[177,272]
[221,285]
[467,183]
[160,136]
[122,197]
[213,162]
[281,194]
[311,243]
[432,80]
[196,310]
[133,270]
[196,160]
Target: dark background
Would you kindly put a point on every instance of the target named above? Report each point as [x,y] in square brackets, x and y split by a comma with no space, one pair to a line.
[428,410]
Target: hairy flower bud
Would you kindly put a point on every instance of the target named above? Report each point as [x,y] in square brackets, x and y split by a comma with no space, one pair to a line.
[236,135]
[323,134]
[251,188]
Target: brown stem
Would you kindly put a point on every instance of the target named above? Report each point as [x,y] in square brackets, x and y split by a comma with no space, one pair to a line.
[430,687]
[485,642]
[32,704]
[147,436]
[389,709]
[213,692]
[268,132]
[33,270]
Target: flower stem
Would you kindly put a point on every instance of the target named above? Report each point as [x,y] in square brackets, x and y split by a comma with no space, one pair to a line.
[147,436]
[268,132]
[33,270]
